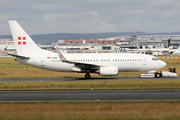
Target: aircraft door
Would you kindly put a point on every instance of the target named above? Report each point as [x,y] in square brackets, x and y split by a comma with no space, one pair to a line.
[42,62]
[144,60]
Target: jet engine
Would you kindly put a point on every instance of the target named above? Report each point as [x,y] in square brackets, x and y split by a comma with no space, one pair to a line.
[108,71]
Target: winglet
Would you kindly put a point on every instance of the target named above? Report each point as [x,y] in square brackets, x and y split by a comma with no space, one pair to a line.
[60,53]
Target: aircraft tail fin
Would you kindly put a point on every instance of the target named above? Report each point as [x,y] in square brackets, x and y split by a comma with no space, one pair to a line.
[23,43]
[178,48]
[171,47]
[168,43]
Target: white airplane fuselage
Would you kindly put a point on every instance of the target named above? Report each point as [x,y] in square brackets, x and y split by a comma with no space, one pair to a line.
[124,61]
[176,53]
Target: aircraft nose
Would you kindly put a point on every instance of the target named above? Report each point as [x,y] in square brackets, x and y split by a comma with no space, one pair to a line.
[162,64]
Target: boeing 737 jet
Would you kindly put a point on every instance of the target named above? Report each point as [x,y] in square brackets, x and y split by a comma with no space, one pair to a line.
[105,64]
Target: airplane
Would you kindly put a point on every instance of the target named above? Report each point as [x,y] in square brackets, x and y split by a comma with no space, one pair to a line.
[168,44]
[104,64]
[166,48]
[177,51]
[163,51]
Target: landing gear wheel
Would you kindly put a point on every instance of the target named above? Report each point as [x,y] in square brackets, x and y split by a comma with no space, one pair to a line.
[158,75]
[87,76]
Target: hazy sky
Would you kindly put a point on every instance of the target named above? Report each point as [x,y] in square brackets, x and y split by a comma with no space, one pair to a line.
[91,16]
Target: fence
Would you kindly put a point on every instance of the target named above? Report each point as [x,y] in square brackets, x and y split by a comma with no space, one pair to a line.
[169,59]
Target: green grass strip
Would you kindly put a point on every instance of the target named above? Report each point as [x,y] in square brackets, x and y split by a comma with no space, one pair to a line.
[96,85]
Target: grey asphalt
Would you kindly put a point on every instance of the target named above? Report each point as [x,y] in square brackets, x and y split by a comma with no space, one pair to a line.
[81,79]
[88,95]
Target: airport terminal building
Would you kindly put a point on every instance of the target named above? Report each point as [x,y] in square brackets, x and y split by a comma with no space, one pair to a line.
[119,44]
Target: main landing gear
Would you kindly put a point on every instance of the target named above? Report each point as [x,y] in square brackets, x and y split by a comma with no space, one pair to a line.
[87,76]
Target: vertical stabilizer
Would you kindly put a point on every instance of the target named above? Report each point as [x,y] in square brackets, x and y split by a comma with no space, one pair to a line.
[168,43]
[171,47]
[23,43]
[178,48]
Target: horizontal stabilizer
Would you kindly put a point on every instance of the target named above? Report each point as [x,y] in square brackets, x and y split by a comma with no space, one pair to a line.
[21,56]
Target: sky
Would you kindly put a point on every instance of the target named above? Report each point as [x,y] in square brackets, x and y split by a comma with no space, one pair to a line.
[91,16]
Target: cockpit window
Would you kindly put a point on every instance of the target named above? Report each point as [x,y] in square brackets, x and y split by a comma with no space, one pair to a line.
[155,58]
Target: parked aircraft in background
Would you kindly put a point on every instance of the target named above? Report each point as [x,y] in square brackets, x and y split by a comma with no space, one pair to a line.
[162,51]
[105,64]
[168,44]
[177,51]
[159,51]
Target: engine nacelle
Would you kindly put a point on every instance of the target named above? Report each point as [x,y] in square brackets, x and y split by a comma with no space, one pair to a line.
[109,71]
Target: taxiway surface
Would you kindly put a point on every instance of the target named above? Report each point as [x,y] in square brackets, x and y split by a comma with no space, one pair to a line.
[81,79]
[88,95]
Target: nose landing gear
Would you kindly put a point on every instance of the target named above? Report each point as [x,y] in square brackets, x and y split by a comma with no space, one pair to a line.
[158,75]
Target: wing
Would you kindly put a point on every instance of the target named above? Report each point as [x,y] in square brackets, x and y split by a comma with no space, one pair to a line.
[81,65]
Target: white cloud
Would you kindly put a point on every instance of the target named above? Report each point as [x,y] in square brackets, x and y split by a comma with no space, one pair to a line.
[70,16]
[89,22]
[80,16]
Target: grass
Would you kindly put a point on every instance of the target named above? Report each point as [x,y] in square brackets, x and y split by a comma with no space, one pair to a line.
[130,110]
[12,69]
[96,85]
[116,110]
